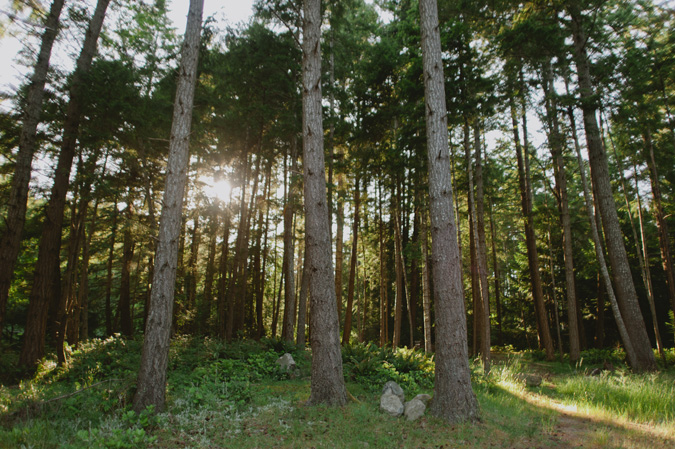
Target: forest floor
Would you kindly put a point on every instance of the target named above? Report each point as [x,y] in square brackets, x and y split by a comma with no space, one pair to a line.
[234,396]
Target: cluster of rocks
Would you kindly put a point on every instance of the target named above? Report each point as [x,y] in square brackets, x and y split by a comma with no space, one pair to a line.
[393,402]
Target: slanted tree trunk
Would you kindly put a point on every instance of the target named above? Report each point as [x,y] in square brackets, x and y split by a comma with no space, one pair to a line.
[625,288]
[47,271]
[346,333]
[151,386]
[599,254]
[555,143]
[454,399]
[327,382]
[10,242]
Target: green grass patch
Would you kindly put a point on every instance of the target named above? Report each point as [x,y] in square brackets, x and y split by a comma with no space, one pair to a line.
[234,395]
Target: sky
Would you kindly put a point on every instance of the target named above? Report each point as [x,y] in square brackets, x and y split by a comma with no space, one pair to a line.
[228,12]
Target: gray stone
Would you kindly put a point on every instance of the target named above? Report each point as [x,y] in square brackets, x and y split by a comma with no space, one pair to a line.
[395,389]
[287,363]
[425,398]
[414,409]
[533,380]
[391,404]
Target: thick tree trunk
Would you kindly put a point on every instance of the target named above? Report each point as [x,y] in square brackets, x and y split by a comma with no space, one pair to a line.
[10,242]
[327,382]
[556,143]
[454,399]
[151,386]
[625,288]
[346,333]
[45,287]
[531,243]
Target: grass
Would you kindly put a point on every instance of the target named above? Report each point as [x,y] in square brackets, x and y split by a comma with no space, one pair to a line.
[233,395]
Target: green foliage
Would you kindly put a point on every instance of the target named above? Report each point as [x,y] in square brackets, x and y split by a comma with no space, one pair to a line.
[373,366]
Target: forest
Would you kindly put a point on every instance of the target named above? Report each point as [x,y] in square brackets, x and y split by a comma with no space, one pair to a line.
[369,182]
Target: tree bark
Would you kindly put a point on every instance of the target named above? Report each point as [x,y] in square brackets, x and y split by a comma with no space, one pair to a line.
[10,242]
[151,386]
[47,270]
[623,280]
[327,381]
[454,399]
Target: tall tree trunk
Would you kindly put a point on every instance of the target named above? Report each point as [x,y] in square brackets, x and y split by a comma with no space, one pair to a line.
[302,302]
[454,399]
[346,333]
[264,227]
[238,253]
[659,214]
[124,305]
[646,272]
[399,268]
[599,254]
[640,249]
[339,243]
[192,271]
[222,271]
[384,303]
[531,242]
[47,271]
[151,386]
[109,275]
[486,337]
[625,288]
[555,144]
[479,266]
[206,306]
[288,328]
[10,241]
[426,284]
[327,382]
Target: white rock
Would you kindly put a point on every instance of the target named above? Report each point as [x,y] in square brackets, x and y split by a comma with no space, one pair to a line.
[391,404]
[286,362]
[394,389]
[414,409]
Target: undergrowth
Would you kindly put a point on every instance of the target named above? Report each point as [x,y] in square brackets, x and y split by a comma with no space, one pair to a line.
[235,395]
